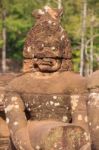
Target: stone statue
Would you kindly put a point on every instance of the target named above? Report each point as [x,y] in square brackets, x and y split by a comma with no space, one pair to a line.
[4,132]
[43,103]
[93,108]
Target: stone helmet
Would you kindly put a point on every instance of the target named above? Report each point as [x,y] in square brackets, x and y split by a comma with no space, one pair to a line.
[47,39]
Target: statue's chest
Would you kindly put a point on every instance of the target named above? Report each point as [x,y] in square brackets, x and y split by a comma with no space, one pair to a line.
[48,106]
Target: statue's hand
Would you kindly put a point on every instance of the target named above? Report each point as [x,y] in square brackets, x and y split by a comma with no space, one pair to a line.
[21,139]
[42,134]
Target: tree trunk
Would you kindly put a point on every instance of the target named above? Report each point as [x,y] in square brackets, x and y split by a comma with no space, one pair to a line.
[91,49]
[4,41]
[83,39]
[59,4]
[48,2]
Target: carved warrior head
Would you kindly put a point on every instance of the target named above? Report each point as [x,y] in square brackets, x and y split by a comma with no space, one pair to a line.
[47,47]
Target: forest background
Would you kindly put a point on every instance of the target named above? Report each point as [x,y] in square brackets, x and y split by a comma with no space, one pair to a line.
[80,19]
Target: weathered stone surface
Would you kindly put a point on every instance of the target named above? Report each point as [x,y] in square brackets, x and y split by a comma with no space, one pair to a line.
[48,135]
[62,82]
[93,80]
[79,111]
[29,63]
[93,108]
[46,97]
[4,132]
[47,92]
[47,39]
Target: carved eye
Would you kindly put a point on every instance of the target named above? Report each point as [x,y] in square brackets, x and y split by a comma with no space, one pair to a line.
[53,48]
[40,45]
[29,49]
[54,24]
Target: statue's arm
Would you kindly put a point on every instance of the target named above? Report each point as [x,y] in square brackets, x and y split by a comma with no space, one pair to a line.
[17,122]
[79,115]
[79,112]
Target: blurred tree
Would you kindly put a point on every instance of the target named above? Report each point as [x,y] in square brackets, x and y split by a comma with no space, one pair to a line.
[3,33]
[83,39]
[59,4]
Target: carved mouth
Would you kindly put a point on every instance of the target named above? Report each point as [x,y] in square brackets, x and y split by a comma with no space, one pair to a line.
[46,62]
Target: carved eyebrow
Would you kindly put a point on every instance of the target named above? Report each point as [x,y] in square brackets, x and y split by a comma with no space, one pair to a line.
[41,12]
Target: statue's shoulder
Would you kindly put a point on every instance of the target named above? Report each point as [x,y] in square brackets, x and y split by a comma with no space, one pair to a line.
[93,80]
[18,83]
[27,83]
[62,82]
[73,82]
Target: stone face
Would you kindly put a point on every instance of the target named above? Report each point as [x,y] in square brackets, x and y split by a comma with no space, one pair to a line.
[93,108]
[47,39]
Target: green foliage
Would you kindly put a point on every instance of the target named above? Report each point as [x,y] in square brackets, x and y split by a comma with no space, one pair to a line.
[19,20]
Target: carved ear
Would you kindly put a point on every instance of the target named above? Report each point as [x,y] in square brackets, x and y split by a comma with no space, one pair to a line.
[58,12]
[38,13]
[34,13]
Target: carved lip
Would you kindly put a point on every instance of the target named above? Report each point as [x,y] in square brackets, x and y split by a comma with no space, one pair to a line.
[46,61]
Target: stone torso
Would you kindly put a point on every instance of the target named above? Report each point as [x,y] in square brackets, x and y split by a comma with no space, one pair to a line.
[48,106]
[44,97]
